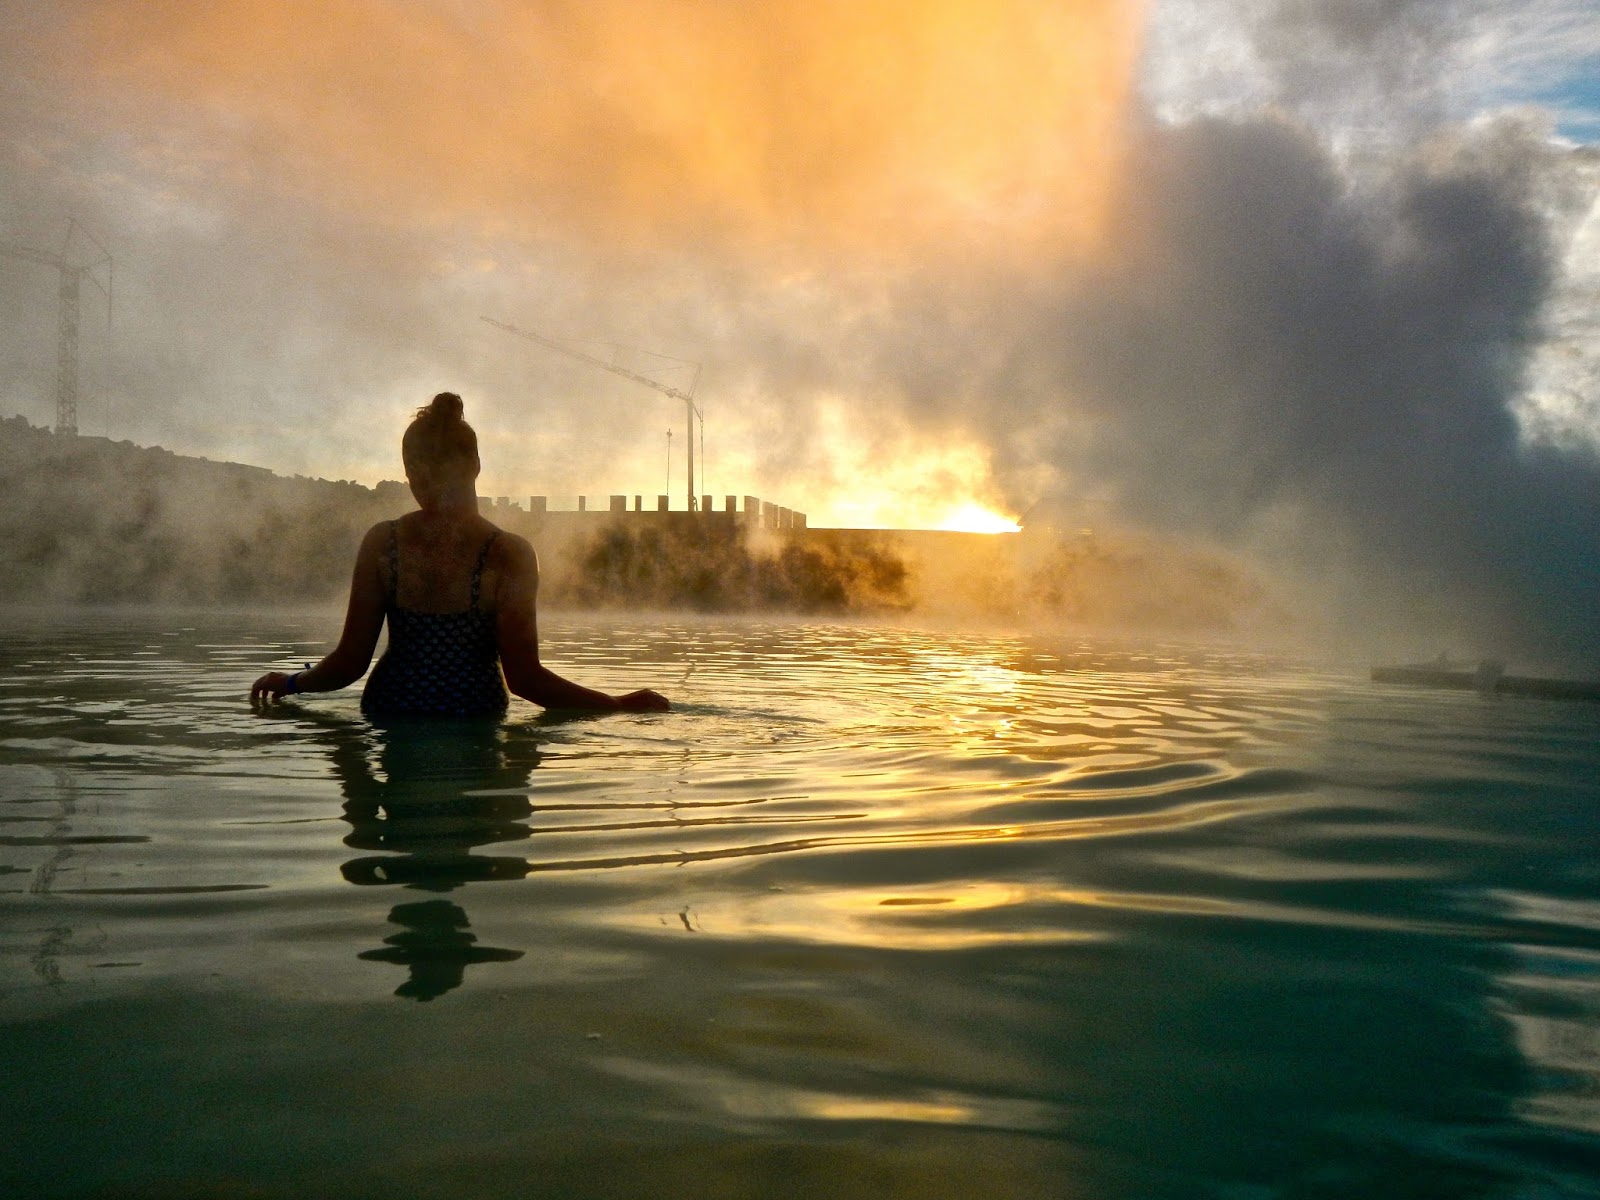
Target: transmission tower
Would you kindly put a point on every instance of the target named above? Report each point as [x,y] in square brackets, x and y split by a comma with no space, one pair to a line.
[74,266]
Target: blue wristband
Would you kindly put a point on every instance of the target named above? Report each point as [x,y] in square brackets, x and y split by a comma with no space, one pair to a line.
[292,688]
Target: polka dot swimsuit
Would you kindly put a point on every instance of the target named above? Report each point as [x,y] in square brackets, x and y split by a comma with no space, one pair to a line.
[437,664]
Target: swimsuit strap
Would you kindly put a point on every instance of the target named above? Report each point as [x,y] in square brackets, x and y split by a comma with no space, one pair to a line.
[477,571]
[394,562]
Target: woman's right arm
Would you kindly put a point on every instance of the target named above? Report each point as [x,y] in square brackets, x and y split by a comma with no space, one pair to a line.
[363,621]
[517,626]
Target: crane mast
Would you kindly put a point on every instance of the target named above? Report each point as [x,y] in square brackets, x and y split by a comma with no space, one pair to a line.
[72,275]
[691,409]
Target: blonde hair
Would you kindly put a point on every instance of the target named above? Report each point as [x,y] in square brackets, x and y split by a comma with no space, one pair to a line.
[438,436]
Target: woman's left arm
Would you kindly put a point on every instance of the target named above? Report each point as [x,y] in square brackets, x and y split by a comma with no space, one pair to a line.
[363,621]
[517,631]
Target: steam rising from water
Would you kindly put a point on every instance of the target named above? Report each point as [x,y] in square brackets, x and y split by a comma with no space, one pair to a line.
[944,232]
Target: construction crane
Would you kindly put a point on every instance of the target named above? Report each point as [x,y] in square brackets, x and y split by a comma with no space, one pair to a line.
[691,409]
[72,276]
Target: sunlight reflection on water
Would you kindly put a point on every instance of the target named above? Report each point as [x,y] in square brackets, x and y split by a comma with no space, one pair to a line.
[1200,920]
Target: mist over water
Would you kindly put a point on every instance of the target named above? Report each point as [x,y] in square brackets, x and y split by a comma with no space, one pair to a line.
[1254,278]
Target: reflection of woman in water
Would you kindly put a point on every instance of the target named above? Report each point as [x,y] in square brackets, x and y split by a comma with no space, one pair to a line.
[459,597]
[426,794]
[422,796]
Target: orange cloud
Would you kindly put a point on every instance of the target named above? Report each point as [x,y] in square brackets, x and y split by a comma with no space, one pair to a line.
[651,123]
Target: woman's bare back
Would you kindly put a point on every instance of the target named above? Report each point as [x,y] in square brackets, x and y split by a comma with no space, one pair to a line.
[436,555]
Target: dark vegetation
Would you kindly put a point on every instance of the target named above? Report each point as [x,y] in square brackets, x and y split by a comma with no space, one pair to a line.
[87,520]
[714,567]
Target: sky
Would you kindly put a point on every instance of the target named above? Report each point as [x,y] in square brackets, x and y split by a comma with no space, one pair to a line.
[1311,280]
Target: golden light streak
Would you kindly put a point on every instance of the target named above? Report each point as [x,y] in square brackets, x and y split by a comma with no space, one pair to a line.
[765,1100]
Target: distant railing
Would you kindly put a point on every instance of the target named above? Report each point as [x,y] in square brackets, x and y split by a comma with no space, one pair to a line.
[747,510]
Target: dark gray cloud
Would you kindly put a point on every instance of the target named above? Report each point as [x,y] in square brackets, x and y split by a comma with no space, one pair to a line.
[1344,358]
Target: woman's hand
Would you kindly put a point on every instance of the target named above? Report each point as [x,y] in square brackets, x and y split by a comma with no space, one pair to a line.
[644,700]
[273,685]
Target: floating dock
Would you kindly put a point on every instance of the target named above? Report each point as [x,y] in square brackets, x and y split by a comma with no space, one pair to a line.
[1486,678]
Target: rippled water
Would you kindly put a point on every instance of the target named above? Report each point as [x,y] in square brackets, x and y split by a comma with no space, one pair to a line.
[875,912]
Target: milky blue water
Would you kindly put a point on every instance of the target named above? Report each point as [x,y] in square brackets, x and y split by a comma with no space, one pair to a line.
[875,912]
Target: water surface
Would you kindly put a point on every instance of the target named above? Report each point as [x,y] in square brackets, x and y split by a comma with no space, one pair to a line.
[875,912]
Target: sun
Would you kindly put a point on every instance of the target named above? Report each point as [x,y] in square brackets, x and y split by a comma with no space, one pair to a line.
[972,517]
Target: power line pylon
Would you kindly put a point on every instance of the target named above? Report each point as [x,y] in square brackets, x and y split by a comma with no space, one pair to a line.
[74,269]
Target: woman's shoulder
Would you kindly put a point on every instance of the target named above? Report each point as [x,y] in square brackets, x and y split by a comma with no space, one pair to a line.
[514,567]
[511,549]
[377,537]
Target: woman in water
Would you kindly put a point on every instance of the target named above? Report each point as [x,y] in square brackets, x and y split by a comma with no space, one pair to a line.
[458,594]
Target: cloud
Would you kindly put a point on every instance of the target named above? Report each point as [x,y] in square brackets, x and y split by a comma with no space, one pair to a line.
[1373,67]
[1531,49]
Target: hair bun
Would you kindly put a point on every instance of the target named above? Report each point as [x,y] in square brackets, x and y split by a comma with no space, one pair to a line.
[446,406]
